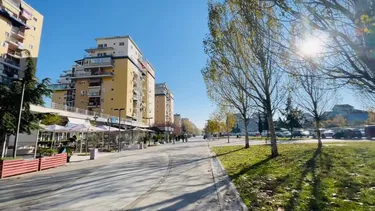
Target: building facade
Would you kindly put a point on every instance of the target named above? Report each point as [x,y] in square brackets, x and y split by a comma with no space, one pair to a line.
[351,114]
[113,75]
[164,105]
[20,29]
[177,120]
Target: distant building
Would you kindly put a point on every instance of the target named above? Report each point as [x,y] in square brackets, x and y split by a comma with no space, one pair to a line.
[348,112]
[253,123]
[164,105]
[177,120]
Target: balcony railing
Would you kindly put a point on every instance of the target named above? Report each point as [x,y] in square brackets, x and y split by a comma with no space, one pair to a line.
[4,58]
[18,32]
[93,104]
[15,42]
[94,94]
[84,74]
[56,87]
[98,62]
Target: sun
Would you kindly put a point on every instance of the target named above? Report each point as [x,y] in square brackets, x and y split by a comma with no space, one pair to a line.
[311,47]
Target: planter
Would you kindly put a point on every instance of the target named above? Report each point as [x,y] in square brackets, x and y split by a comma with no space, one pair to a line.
[15,167]
[52,162]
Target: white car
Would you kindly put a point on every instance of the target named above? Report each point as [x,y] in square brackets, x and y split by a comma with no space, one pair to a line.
[324,133]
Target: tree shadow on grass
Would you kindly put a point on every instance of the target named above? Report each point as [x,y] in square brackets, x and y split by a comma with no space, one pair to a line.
[226,153]
[317,194]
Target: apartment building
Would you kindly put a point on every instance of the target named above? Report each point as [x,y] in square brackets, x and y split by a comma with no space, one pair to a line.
[164,105]
[20,29]
[177,120]
[112,75]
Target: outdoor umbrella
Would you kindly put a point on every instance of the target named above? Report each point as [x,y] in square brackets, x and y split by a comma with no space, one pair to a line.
[54,129]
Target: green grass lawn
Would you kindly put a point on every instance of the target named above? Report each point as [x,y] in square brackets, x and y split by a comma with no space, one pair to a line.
[337,177]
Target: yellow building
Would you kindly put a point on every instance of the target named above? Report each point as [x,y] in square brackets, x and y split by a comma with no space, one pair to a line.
[164,105]
[20,29]
[113,75]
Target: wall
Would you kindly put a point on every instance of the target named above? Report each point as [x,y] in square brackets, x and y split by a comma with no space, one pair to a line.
[58,97]
[33,35]
[160,106]
[119,96]
[81,101]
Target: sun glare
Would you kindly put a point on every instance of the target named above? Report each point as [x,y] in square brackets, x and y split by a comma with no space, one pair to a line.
[311,47]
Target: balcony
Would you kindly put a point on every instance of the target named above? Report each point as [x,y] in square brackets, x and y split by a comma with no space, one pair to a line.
[94,94]
[57,87]
[4,58]
[17,33]
[14,43]
[93,104]
[15,54]
[98,48]
[89,74]
[17,22]
[98,62]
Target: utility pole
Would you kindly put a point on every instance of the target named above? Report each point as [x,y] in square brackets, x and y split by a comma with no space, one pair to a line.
[119,125]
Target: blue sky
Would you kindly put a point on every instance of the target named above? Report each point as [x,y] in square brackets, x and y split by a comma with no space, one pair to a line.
[169,33]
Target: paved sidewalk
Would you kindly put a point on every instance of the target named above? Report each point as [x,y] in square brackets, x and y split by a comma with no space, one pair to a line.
[181,176]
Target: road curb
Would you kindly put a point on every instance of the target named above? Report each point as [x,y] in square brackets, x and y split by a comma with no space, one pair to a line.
[229,198]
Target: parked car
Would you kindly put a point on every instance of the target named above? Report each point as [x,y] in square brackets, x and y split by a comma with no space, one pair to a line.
[348,134]
[300,133]
[283,133]
[370,131]
[324,133]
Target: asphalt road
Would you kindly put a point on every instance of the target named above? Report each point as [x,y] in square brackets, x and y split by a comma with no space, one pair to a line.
[168,177]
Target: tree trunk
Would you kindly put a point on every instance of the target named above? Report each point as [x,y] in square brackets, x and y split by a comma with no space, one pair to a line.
[320,144]
[247,145]
[3,145]
[271,128]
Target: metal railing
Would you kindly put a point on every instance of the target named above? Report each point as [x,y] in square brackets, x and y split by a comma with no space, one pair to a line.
[18,31]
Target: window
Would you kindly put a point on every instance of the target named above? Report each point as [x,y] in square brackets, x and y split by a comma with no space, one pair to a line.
[114,52]
[7,34]
[4,44]
[105,45]
[114,43]
[112,89]
[113,71]
[122,43]
[31,46]
[113,79]
[111,98]
[34,28]
[100,46]
[34,18]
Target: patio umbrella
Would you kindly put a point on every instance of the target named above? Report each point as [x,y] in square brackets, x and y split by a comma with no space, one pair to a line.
[54,129]
[108,128]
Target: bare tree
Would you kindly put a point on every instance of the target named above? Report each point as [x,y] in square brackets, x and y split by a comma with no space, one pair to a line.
[313,95]
[242,46]
[224,91]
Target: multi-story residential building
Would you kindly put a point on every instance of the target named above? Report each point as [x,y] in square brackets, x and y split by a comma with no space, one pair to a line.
[112,75]
[177,120]
[20,29]
[164,105]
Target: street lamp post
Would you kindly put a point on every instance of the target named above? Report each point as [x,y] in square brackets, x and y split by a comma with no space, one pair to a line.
[19,121]
[119,125]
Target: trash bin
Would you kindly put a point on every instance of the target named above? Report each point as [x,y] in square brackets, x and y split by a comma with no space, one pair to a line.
[93,154]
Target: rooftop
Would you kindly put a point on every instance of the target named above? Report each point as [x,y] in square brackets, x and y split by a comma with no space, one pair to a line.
[120,37]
